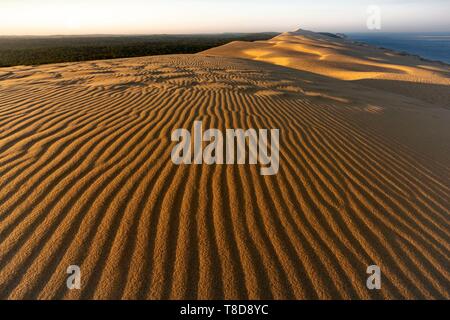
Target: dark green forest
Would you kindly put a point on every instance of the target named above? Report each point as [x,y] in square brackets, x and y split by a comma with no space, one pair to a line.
[42,50]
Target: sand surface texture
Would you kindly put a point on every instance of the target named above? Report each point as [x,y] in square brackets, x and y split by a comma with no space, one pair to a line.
[86,176]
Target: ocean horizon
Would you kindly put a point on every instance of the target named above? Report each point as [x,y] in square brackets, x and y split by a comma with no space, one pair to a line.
[429,45]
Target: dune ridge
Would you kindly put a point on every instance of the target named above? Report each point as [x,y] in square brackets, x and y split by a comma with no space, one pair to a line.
[86,179]
[351,61]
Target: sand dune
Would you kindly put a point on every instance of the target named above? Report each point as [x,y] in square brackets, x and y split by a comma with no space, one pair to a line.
[86,176]
[345,60]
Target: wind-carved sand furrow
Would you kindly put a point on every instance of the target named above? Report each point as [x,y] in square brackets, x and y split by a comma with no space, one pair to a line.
[371,208]
[130,257]
[439,283]
[172,229]
[35,107]
[289,158]
[183,261]
[249,272]
[178,230]
[392,182]
[408,168]
[61,249]
[234,280]
[108,116]
[317,247]
[164,238]
[188,239]
[87,180]
[21,99]
[267,196]
[52,102]
[350,152]
[311,228]
[106,223]
[356,255]
[122,141]
[415,244]
[327,233]
[111,224]
[397,205]
[27,118]
[327,192]
[153,262]
[69,156]
[390,258]
[89,226]
[141,148]
[336,235]
[122,256]
[72,203]
[368,151]
[57,126]
[209,258]
[12,165]
[195,240]
[69,104]
[404,221]
[321,143]
[295,279]
[256,231]
[12,101]
[142,234]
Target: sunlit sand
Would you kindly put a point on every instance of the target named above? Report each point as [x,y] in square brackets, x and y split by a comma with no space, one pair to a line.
[364,175]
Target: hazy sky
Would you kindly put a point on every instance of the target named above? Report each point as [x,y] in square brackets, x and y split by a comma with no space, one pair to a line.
[18,17]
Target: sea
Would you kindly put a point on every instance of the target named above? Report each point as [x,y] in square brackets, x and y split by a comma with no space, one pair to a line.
[432,46]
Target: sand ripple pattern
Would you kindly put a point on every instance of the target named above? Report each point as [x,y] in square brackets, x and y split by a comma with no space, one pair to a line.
[86,179]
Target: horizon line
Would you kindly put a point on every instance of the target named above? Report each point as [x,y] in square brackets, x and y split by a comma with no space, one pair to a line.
[211,33]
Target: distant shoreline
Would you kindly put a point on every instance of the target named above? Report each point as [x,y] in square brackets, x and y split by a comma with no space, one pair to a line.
[357,39]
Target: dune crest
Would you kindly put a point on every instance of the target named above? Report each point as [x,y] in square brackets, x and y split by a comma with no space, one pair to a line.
[364,176]
[343,59]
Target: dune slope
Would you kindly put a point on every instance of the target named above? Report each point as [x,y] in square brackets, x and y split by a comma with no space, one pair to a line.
[346,60]
[86,179]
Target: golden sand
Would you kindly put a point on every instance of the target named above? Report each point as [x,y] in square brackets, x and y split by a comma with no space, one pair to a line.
[364,178]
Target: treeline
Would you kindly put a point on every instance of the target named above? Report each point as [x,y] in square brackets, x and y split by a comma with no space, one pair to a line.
[43,50]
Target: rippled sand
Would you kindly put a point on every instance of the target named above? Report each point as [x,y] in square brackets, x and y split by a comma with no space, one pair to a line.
[86,176]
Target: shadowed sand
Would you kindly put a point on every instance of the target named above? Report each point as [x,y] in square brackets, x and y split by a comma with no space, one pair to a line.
[86,175]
